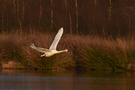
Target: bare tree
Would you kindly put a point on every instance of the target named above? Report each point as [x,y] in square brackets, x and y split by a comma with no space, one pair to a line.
[69,16]
[40,12]
[70,22]
[52,14]
[19,14]
[3,19]
[110,10]
[76,6]
[95,2]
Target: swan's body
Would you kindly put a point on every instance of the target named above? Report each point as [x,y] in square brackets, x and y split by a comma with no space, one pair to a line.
[52,50]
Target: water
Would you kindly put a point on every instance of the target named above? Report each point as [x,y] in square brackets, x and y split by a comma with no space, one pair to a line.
[27,80]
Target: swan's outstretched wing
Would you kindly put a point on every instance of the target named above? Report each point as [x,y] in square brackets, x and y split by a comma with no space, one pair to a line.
[56,40]
[42,50]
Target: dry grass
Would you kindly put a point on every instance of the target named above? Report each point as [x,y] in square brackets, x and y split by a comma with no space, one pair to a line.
[85,52]
[11,65]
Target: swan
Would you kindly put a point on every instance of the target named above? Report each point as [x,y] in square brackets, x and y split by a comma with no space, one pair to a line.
[52,50]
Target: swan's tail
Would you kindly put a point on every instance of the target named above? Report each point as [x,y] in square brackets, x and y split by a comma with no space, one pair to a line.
[32,45]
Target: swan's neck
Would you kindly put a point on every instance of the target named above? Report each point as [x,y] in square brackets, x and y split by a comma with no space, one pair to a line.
[62,51]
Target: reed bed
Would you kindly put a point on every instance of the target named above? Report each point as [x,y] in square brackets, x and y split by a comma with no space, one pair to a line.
[85,52]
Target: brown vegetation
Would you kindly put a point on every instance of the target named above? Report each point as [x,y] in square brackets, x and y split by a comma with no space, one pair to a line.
[109,25]
[85,52]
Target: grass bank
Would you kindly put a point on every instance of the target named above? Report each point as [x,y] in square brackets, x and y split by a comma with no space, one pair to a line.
[85,52]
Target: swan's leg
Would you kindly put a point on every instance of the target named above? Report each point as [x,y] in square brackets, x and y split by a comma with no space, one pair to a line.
[43,55]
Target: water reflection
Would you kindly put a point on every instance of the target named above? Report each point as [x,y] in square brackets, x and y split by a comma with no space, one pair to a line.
[26,80]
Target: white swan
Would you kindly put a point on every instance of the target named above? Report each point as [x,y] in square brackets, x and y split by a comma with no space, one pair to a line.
[52,50]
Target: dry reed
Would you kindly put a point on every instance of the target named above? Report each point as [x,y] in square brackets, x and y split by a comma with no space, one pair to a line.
[85,52]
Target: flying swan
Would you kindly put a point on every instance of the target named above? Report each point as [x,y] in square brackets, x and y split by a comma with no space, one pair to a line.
[52,50]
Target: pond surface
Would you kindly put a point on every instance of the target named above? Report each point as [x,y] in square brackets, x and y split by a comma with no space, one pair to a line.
[33,80]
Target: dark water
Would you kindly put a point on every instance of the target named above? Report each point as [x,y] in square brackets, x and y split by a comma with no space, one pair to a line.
[28,80]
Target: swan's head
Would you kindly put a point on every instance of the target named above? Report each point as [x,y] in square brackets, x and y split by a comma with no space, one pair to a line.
[66,50]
